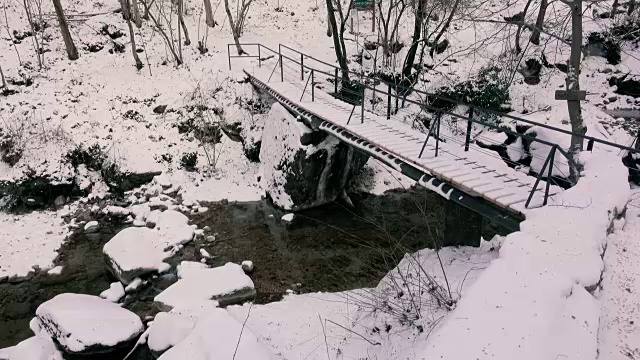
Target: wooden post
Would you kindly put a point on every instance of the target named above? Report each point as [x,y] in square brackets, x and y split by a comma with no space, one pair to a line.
[388,101]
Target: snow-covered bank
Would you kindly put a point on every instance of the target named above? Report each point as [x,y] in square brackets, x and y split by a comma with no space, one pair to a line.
[619,333]
[29,240]
[532,302]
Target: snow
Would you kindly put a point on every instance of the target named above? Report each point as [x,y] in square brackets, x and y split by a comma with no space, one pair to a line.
[288,217]
[205,254]
[134,285]
[532,302]
[91,227]
[167,330]
[619,332]
[185,268]
[247,266]
[280,142]
[29,240]
[114,293]
[217,335]
[226,283]
[81,322]
[57,270]
[34,348]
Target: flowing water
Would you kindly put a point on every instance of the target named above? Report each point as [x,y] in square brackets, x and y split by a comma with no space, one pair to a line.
[329,248]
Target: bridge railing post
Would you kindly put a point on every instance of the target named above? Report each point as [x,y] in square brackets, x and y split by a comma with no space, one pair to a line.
[259,57]
[362,103]
[301,66]
[229,55]
[469,124]
[313,92]
[438,116]
[424,145]
[388,101]
[549,159]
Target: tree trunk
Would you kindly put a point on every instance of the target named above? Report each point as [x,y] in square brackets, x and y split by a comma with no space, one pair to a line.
[133,46]
[234,30]
[632,6]
[135,14]
[4,81]
[27,9]
[187,41]
[417,27]
[535,36]
[208,10]
[337,40]
[573,84]
[72,52]
[329,31]
[519,31]
[444,28]
[179,3]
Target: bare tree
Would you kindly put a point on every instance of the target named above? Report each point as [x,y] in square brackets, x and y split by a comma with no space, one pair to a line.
[36,43]
[338,35]
[127,14]
[160,28]
[573,85]
[72,52]
[187,41]
[208,10]
[419,17]
[135,14]
[4,81]
[535,35]
[6,26]
[518,49]
[444,27]
[237,26]
[390,21]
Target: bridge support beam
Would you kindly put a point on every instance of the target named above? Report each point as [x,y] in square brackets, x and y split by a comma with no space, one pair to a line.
[462,227]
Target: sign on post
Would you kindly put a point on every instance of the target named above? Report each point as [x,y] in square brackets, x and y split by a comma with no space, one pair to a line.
[571,95]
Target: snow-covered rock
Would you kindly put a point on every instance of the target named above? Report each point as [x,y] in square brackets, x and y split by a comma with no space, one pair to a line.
[184,268]
[247,266]
[134,252]
[216,335]
[118,211]
[91,227]
[134,285]
[301,168]
[34,348]
[114,293]
[85,324]
[167,330]
[55,270]
[287,217]
[205,254]
[226,284]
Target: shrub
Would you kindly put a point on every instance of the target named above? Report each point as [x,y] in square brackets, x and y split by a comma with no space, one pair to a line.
[189,160]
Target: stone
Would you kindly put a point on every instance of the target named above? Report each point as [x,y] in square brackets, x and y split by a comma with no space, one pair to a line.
[60,201]
[91,227]
[114,293]
[226,285]
[300,176]
[167,330]
[248,267]
[84,324]
[160,109]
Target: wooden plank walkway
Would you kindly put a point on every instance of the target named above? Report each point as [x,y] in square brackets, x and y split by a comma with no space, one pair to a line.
[475,172]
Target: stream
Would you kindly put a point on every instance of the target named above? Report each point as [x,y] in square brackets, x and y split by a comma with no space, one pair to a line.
[329,248]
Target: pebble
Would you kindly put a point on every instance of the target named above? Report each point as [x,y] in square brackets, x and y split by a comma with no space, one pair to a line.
[210,238]
[205,254]
[247,266]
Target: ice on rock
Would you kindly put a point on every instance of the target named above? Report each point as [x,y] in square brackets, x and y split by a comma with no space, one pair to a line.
[216,335]
[226,284]
[85,324]
[114,293]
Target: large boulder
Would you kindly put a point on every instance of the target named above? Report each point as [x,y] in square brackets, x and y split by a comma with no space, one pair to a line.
[226,285]
[303,168]
[138,251]
[84,324]
[167,330]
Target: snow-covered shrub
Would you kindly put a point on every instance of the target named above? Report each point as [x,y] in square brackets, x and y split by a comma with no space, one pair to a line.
[488,90]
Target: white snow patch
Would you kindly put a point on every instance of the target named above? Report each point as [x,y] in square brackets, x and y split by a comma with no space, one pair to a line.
[288,217]
[198,285]
[114,293]
[168,329]
[55,270]
[34,348]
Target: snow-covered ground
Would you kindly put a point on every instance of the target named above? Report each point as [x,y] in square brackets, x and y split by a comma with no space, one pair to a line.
[619,333]
[534,300]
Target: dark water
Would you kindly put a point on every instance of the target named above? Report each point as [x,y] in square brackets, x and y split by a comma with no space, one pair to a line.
[330,248]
